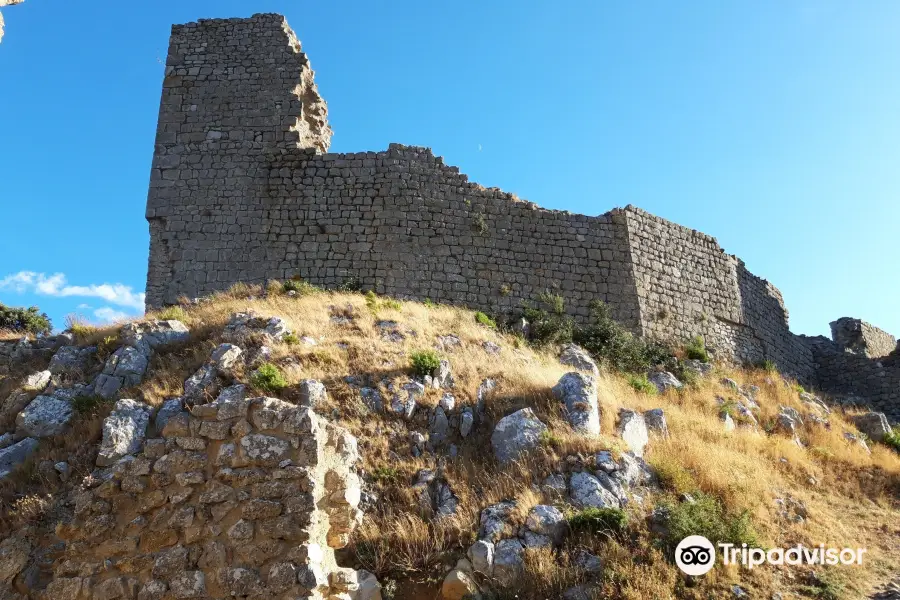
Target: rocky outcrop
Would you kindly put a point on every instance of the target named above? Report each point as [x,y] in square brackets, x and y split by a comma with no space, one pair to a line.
[516,434]
[579,393]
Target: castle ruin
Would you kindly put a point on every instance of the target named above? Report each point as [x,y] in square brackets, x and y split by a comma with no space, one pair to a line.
[242,189]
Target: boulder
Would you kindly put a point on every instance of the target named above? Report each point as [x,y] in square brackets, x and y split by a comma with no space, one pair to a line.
[698,366]
[45,416]
[574,355]
[466,421]
[633,431]
[36,382]
[579,393]
[155,334]
[493,521]
[656,421]
[71,360]
[169,409]
[439,427]
[16,454]
[123,431]
[128,364]
[509,564]
[874,424]
[225,357]
[547,520]
[481,555]
[663,380]
[14,552]
[459,584]
[586,491]
[515,434]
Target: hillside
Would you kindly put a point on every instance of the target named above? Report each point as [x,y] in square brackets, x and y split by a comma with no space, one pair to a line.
[311,442]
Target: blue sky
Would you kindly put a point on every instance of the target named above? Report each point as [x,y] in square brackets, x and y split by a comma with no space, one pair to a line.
[771,125]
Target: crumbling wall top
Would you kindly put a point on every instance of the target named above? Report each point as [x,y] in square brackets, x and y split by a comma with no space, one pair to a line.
[858,337]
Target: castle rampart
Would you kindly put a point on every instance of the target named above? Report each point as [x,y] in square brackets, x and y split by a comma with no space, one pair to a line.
[243,190]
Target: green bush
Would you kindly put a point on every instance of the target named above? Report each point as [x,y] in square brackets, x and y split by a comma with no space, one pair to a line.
[24,320]
[696,349]
[707,517]
[424,362]
[598,520]
[351,284]
[548,321]
[268,378]
[641,384]
[386,474]
[290,339]
[892,438]
[613,345]
[375,305]
[483,319]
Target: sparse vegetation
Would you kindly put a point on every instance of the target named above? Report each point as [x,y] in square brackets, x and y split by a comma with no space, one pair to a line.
[705,515]
[376,304]
[892,439]
[424,362]
[80,327]
[769,366]
[483,319]
[170,313]
[24,320]
[613,345]
[268,378]
[302,288]
[696,349]
[290,339]
[88,405]
[640,383]
[548,321]
[609,521]
[386,475]
[505,289]
[479,223]
[550,439]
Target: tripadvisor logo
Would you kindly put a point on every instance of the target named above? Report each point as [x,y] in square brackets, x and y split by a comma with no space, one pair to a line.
[696,555]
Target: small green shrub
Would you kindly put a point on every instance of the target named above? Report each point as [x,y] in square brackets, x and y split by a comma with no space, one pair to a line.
[479,223]
[505,290]
[424,362]
[598,520]
[172,313]
[696,349]
[429,303]
[824,587]
[706,516]
[386,474]
[88,405]
[548,321]
[768,365]
[24,320]
[892,438]
[641,384]
[374,304]
[483,319]
[549,439]
[268,378]
[290,339]
[613,345]
[350,284]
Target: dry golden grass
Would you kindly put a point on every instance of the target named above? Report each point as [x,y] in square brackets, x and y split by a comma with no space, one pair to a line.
[852,496]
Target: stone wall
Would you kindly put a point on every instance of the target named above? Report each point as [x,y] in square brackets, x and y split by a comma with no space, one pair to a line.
[858,337]
[240,497]
[856,379]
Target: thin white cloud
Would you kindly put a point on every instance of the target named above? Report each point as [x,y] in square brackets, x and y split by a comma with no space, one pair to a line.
[83,306]
[56,285]
[107,314]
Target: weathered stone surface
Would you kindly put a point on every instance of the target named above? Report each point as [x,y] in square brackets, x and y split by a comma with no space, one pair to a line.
[874,425]
[14,553]
[16,454]
[633,430]
[587,492]
[515,434]
[45,416]
[663,380]
[547,520]
[579,393]
[481,555]
[123,431]
[37,381]
[656,421]
[574,355]
[509,564]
